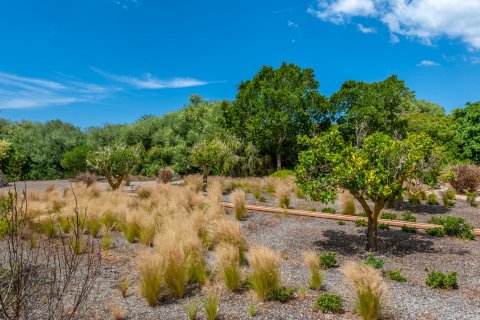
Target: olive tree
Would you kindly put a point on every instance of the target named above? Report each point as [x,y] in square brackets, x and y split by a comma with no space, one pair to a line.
[208,155]
[115,162]
[373,173]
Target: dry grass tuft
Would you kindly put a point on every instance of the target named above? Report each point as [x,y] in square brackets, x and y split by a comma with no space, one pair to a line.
[347,203]
[265,275]
[369,289]
[228,263]
[238,199]
[313,264]
[282,192]
[229,231]
[151,270]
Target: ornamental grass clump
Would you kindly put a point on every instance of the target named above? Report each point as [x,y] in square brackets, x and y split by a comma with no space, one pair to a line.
[229,231]
[151,270]
[369,289]
[228,263]
[282,193]
[238,199]
[313,264]
[211,305]
[347,203]
[265,275]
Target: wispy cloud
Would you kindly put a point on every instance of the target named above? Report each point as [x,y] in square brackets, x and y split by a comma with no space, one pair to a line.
[427,63]
[126,4]
[292,24]
[424,20]
[19,92]
[148,81]
[364,29]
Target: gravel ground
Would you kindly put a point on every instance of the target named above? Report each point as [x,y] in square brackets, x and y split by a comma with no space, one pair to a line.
[290,236]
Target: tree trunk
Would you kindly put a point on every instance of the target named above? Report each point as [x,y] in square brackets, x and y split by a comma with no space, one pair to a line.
[279,161]
[204,181]
[3,180]
[110,181]
[372,240]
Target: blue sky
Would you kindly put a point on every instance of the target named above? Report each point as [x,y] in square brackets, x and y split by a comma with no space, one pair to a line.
[92,62]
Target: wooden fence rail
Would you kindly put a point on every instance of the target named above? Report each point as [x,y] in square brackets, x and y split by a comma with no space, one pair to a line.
[341,217]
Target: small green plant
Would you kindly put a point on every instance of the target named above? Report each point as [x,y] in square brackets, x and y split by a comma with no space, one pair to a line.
[251,309]
[396,275]
[312,210]
[440,280]
[455,226]
[192,309]
[124,286]
[262,199]
[341,223]
[432,200]
[361,223]
[302,292]
[362,214]
[471,197]
[131,231]
[257,192]
[447,198]
[408,216]
[436,232]
[283,294]
[328,260]
[64,223]
[144,193]
[383,226]
[211,305]
[329,210]
[283,174]
[388,215]
[450,194]
[373,261]
[94,225]
[414,200]
[106,241]
[299,193]
[329,303]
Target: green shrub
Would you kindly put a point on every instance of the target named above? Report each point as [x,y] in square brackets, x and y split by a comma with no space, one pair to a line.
[447,198]
[388,215]
[455,226]
[329,303]
[328,210]
[396,275]
[362,214]
[440,280]
[414,200]
[328,260]
[471,196]
[283,174]
[436,232]
[373,261]
[341,223]
[312,210]
[144,193]
[262,199]
[432,200]
[283,294]
[408,216]
[383,226]
[299,193]
[450,194]
[361,223]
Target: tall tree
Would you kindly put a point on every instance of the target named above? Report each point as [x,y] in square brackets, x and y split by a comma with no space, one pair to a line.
[276,107]
[467,122]
[424,106]
[208,156]
[363,108]
[373,173]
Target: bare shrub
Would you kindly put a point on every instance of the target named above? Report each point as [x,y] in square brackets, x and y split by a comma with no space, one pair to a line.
[369,289]
[165,175]
[87,178]
[464,178]
[48,280]
[265,275]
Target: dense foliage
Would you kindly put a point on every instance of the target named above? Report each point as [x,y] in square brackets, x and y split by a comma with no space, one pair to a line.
[260,128]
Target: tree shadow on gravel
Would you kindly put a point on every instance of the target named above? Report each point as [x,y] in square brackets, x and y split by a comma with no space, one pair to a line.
[421,208]
[391,242]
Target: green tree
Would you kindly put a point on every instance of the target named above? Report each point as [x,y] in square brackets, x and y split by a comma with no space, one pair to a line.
[467,122]
[4,149]
[424,106]
[276,107]
[374,172]
[208,155]
[75,160]
[115,162]
[363,108]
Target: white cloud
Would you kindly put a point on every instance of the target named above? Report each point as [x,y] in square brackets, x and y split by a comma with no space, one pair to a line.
[150,82]
[19,92]
[292,24]
[475,60]
[364,29]
[428,63]
[425,20]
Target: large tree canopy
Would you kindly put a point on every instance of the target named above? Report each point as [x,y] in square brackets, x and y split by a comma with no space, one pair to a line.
[468,131]
[275,107]
[363,108]
[374,172]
